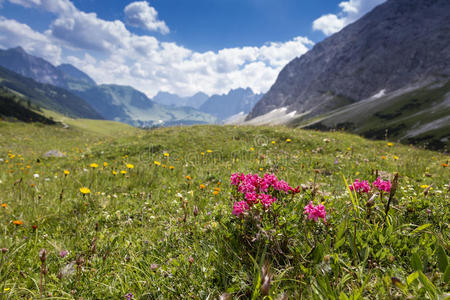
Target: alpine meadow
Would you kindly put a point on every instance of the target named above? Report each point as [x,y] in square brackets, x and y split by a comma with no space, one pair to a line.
[151,150]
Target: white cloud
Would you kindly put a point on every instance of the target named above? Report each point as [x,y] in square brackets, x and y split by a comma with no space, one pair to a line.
[351,11]
[13,34]
[113,54]
[141,14]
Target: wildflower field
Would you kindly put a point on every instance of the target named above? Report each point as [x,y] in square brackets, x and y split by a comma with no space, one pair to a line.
[209,212]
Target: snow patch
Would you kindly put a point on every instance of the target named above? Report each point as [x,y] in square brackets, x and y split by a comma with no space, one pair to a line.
[275,117]
[379,94]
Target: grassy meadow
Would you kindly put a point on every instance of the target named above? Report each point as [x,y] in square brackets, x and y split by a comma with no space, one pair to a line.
[134,214]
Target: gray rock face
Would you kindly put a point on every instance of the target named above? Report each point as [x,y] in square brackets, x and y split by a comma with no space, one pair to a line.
[399,43]
[17,60]
[227,105]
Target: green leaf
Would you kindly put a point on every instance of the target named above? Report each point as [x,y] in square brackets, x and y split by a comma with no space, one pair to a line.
[431,289]
[416,263]
[412,277]
[318,254]
[420,228]
[341,230]
[339,243]
[447,274]
[343,296]
[442,260]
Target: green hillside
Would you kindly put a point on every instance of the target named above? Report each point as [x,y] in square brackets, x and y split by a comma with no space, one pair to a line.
[15,108]
[420,117]
[47,96]
[156,217]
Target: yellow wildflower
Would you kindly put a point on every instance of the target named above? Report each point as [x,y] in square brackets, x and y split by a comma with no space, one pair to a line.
[288,140]
[202,153]
[383,157]
[171,167]
[130,166]
[66,172]
[202,186]
[93,165]
[123,172]
[188,177]
[85,190]
[390,144]
[395,157]
[273,142]
[209,151]
[216,192]
[166,154]
[157,163]
[105,164]
[114,172]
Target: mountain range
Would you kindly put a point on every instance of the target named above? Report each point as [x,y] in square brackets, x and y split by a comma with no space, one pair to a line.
[397,51]
[118,102]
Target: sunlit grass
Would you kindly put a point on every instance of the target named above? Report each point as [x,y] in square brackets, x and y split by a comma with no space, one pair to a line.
[149,213]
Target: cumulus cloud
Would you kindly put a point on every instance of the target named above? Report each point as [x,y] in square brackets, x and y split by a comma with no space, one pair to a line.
[351,11]
[141,14]
[113,54]
[14,34]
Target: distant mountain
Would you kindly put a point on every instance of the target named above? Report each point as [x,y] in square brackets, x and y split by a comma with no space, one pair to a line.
[75,79]
[111,102]
[17,60]
[128,105]
[236,101]
[399,46]
[47,96]
[171,99]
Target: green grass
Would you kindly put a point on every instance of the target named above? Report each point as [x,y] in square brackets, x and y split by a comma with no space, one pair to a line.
[137,232]
[96,127]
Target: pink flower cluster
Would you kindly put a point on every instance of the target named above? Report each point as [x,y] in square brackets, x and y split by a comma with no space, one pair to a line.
[364,187]
[315,212]
[256,189]
[360,187]
[382,185]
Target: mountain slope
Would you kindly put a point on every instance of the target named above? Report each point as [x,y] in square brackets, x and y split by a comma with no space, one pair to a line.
[235,102]
[75,79]
[399,43]
[415,116]
[17,60]
[47,96]
[15,108]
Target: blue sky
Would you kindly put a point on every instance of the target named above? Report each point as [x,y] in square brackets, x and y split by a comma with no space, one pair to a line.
[177,46]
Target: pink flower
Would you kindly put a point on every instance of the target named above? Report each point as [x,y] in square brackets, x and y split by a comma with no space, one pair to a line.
[315,212]
[266,200]
[256,189]
[236,178]
[382,185]
[252,198]
[360,187]
[239,208]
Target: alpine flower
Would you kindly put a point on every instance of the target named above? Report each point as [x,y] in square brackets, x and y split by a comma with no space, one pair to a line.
[85,190]
[315,212]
